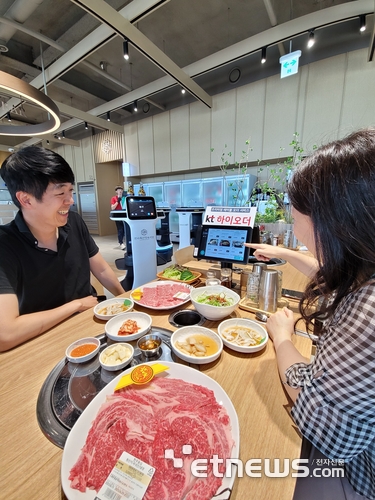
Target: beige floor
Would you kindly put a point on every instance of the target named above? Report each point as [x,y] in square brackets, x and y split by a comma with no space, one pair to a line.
[111,251]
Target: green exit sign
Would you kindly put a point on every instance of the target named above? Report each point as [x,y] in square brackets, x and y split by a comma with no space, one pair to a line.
[289,63]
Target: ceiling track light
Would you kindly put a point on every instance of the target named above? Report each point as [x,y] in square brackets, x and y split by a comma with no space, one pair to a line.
[135,106]
[263,58]
[183,90]
[126,50]
[108,116]
[9,117]
[86,126]
[311,39]
[362,22]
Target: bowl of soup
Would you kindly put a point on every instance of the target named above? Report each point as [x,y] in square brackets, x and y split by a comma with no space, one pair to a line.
[196,344]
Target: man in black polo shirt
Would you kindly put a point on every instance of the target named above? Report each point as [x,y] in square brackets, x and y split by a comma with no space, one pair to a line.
[46,252]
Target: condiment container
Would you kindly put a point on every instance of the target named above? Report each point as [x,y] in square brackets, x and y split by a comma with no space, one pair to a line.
[268,288]
[226,277]
[212,279]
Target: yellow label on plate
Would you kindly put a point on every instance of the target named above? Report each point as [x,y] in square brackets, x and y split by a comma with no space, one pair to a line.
[141,374]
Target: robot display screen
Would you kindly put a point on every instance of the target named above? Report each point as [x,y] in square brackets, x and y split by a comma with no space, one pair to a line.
[225,244]
[140,207]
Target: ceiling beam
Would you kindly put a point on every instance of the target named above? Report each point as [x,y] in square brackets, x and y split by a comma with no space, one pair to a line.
[86,117]
[106,14]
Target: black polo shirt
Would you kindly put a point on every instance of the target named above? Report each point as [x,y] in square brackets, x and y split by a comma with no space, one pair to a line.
[41,278]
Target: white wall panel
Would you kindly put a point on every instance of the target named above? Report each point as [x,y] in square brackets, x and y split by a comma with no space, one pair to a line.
[324,94]
[146,147]
[131,144]
[223,130]
[280,114]
[200,127]
[250,119]
[162,142]
[358,109]
[180,138]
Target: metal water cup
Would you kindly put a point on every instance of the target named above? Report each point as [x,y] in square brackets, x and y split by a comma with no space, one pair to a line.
[268,290]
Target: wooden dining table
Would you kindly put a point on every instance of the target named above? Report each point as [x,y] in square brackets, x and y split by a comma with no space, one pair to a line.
[30,463]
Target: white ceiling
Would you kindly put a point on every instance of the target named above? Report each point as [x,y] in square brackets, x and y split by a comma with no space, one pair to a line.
[201,44]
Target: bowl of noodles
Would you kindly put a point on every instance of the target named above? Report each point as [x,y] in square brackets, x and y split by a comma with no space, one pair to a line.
[243,335]
[214,302]
[112,307]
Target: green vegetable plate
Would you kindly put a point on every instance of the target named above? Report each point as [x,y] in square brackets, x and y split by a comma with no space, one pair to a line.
[185,276]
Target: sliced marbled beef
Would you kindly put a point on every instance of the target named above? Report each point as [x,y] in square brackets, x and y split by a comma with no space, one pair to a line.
[162,295]
[145,421]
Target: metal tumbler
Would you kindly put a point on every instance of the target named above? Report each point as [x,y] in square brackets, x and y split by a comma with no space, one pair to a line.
[268,290]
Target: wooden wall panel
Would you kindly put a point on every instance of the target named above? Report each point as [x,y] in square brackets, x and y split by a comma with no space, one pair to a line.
[180,138]
[223,129]
[146,146]
[131,144]
[162,142]
[358,110]
[200,133]
[250,104]
[324,96]
[280,114]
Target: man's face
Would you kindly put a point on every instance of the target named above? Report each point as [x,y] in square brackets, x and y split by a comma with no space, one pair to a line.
[54,207]
[119,192]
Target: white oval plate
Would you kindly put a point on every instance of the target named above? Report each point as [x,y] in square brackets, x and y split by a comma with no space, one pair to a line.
[113,325]
[77,436]
[109,302]
[156,284]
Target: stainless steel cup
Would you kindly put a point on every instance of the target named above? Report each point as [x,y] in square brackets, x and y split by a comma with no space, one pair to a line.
[268,290]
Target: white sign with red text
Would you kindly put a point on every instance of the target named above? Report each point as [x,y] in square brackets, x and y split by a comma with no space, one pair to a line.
[230,216]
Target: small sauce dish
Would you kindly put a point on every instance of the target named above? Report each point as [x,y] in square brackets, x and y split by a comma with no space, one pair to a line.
[83,350]
[149,344]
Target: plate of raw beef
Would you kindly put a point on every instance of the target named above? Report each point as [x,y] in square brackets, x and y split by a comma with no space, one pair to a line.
[181,413]
[161,295]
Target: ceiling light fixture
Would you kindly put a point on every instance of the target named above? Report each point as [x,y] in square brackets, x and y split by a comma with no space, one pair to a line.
[29,93]
[183,90]
[108,116]
[126,50]
[8,116]
[362,22]
[63,134]
[86,126]
[102,65]
[263,58]
[135,106]
[311,39]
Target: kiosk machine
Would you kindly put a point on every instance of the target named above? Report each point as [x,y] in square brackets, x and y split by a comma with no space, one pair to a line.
[190,218]
[223,234]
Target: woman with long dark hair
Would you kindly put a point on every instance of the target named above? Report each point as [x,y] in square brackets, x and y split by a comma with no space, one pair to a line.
[333,204]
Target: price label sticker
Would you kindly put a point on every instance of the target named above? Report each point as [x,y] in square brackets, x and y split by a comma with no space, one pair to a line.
[129,479]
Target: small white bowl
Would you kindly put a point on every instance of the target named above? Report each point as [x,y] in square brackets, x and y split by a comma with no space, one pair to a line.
[116,350]
[190,331]
[78,343]
[128,302]
[112,327]
[248,323]
[215,313]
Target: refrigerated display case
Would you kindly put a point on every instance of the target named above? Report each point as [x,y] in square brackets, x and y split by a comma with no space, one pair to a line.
[213,191]
[231,189]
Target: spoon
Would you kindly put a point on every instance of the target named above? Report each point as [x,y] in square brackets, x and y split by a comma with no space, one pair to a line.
[261,316]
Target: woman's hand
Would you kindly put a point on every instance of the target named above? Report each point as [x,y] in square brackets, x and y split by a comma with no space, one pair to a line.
[280,326]
[263,251]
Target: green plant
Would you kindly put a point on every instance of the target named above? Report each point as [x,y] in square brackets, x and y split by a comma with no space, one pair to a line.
[274,187]
[239,171]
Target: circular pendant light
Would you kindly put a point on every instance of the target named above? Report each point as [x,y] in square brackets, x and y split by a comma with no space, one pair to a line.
[26,92]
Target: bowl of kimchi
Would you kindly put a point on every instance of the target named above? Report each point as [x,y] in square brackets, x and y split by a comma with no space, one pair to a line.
[128,326]
[112,307]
